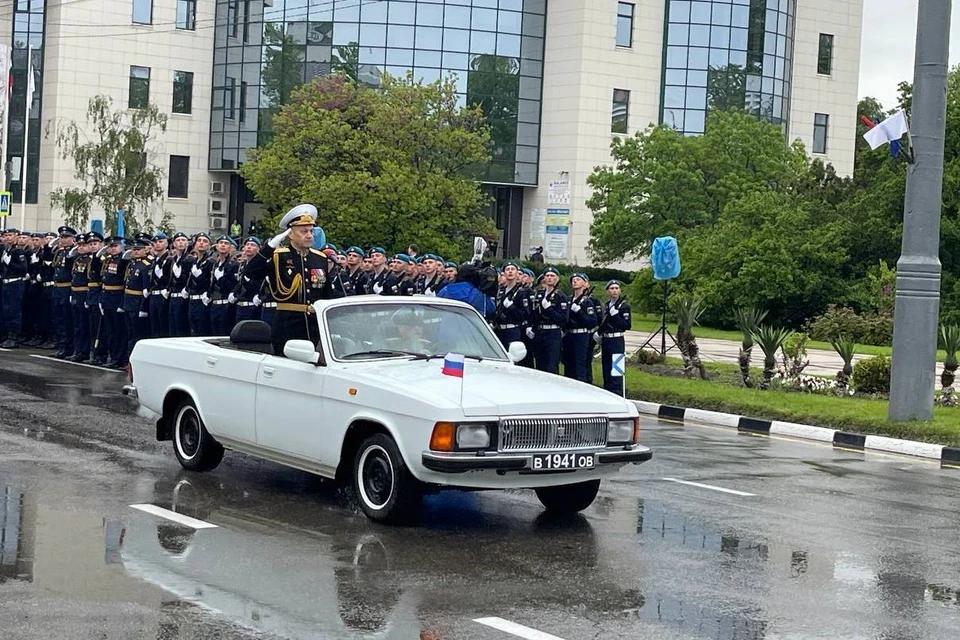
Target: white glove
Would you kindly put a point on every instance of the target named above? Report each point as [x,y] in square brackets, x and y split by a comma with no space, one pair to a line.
[120,310]
[546,304]
[378,288]
[73,252]
[575,307]
[34,259]
[126,254]
[196,271]
[614,311]
[146,293]
[177,270]
[275,241]
[70,300]
[256,301]
[205,299]
[165,293]
[53,242]
[530,332]
[39,278]
[86,306]
[158,271]
[183,292]
[596,338]
[231,298]
[102,251]
[507,303]
[142,314]
[101,308]
[6,258]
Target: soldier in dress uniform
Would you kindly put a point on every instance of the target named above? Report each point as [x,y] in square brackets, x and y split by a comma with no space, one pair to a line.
[198,286]
[397,282]
[583,319]
[355,271]
[80,307]
[450,269]
[113,335]
[432,279]
[159,287]
[341,284]
[223,281]
[549,310]
[178,266]
[58,252]
[512,316]
[98,351]
[14,263]
[616,320]
[33,293]
[246,293]
[300,277]
[379,272]
[136,294]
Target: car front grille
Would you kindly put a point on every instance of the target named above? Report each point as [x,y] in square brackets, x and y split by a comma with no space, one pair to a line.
[534,434]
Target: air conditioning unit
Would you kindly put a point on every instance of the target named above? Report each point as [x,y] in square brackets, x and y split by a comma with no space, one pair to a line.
[216,187]
[218,207]
[218,223]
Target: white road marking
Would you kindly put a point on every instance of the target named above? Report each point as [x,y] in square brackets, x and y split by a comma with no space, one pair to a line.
[710,486]
[175,517]
[76,364]
[516,629]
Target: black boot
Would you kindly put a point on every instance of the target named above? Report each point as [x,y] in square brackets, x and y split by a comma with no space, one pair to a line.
[10,342]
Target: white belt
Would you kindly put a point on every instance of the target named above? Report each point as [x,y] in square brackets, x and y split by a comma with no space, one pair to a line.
[611,335]
[48,284]
[156,293]
[9,280]
[269,305]
[246,304]
[221,302]
[549,326]
[196,297]
[579,330]
[178,295]
[502,327]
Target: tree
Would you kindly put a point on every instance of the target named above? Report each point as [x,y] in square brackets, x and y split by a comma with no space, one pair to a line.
[383,165]
[112,169]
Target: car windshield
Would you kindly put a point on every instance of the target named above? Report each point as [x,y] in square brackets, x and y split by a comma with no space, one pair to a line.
[372,331]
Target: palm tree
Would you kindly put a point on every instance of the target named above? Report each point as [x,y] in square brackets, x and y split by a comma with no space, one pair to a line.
[845,348]
[950,336]
[748,319]
[689,309]
[770,339]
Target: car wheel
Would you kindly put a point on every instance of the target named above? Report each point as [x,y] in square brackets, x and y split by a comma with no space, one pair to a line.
[195,448]
[569,498]
[386,490]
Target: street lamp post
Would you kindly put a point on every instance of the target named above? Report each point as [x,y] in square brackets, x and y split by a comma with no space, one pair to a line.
[916,314]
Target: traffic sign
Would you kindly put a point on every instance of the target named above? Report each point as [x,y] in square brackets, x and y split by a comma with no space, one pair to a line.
[617,364]
[4,203]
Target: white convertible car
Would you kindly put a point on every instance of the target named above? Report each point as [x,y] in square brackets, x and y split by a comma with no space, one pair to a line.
[374,404]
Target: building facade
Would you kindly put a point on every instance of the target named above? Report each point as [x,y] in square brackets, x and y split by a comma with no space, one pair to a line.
[556,80]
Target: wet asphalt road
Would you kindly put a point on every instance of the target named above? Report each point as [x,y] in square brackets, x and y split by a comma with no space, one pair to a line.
[830,543]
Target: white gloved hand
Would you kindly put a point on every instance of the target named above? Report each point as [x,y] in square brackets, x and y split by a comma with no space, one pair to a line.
[101,308]
[5,259]
[256,301]
[378,288]
[86,305]
[165,293]
[53,242]
[39,278]
[596,338]
[575,307]
[34,259]
[70,300]
[146,293]
[546,304]
[183,293]
[275,241]
[177,270]
[231,298]
[102,251]
[507,303]
[126,254]
[196,271]
[142,314]
[530,332]
[205,299]
[120,310]
[429,292]
[614,311]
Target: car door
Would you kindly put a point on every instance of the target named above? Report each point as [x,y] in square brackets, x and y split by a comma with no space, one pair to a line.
[228,392]
[289,408]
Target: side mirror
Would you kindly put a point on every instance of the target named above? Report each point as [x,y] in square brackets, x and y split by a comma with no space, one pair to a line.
[301,351]
[517,351]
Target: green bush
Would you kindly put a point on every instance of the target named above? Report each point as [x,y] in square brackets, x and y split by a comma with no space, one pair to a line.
[872,375]
[869,328]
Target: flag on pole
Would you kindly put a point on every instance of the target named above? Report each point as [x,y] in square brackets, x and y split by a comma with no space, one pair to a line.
[31,84]
[889,130]
[453,365]
[120,226]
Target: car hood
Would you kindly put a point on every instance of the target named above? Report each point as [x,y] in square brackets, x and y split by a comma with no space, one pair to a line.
[492,388]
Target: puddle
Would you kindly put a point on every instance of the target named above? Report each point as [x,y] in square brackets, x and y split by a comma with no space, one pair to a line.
[17,524]
[96,389]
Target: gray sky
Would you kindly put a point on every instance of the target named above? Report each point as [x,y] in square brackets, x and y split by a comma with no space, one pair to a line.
[886,52]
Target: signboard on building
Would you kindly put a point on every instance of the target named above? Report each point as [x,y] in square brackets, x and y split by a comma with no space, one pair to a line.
[558,193]
[4,203]
[557,234]
[538,224]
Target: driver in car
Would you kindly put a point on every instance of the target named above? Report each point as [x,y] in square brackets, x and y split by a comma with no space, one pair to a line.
[299,276]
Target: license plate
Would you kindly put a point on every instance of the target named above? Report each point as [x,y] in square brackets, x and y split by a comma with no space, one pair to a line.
[558,461]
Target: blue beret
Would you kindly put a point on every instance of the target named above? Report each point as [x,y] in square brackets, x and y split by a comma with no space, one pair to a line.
[450,264]
[160,235]
[201,235]
[255,240]
[610,283]
[528,272]
[402,257]
[228,239]
[552,270]
[379,250]
[179,234]
[510,263]
[579,274]
[356,250]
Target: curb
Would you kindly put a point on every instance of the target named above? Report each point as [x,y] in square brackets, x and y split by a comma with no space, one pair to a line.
[842,439]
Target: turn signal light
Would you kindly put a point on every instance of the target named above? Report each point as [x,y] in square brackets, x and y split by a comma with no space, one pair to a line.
[442,438]
[636,430]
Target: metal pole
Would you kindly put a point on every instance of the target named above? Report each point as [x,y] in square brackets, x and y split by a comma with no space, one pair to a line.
[916,313]
[6,125]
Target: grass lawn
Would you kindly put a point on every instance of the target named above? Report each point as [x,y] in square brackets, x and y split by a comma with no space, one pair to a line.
[861,415]
[648,323]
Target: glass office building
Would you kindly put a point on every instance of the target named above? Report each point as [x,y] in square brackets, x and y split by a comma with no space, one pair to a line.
[722,54]
[28,32]
[263,50]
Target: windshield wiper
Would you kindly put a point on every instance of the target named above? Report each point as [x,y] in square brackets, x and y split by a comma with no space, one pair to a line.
[380,352]
[432,356]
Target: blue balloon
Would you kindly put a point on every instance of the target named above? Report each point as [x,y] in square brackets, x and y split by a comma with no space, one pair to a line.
[319,238]
[665,258]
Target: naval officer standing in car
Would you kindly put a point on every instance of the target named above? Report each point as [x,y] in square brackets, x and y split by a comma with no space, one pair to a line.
[299,276]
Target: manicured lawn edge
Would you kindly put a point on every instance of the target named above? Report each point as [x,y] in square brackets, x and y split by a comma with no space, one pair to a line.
[861,415]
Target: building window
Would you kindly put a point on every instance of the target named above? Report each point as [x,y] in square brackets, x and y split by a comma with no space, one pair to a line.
[228,103]
[139,87]
[182,91]
[825,55]
[232,18]
[246,20]
[143,11]
[243,101]
[624,24]
[621,109]
[820,123]
[187,14]
[179,177]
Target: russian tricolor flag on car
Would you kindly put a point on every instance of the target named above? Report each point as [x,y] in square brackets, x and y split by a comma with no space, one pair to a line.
[453,365]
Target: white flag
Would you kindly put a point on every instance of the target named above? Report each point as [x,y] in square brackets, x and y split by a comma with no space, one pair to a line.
[889,130]
[31,85]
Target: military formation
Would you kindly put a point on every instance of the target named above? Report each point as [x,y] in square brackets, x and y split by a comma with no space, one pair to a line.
[92,298]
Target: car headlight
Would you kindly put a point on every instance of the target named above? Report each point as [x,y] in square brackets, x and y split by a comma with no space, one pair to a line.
[473,436]
[623,430]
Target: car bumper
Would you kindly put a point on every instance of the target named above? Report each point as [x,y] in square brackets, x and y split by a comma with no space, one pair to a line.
[462,462]
[130,391]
